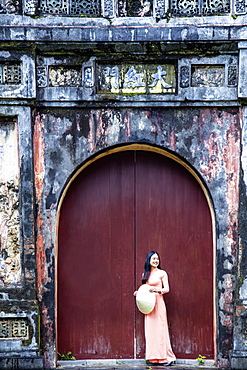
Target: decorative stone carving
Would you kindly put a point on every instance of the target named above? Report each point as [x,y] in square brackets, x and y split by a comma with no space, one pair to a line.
[208,76]
[160,10]
[14,329]
[88,79]
[85,7]
[72,7]
[10,74]
[184,76]
[10,7]
[53,6]
[65,76]
[240,7]
[184,8]
[191,8]
[215,7]
[108,8]
[41,73]
[9,205]
[30,7]
[232,76]
[135,8]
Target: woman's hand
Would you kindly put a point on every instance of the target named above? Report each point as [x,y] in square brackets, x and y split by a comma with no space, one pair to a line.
[135,293]
[154,290]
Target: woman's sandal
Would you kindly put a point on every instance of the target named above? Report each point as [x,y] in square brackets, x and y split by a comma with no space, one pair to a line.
[169,363]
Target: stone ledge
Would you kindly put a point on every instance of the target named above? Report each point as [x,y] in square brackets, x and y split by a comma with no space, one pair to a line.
[99,33]
[239,360]
[22,363]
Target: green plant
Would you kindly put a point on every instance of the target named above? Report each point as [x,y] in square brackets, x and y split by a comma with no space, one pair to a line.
[66,356]
[200,359]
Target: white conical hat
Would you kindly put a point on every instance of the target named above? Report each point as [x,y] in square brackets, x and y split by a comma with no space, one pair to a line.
[145,300]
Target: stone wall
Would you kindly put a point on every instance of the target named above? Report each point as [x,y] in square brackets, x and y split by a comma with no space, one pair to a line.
[72,88]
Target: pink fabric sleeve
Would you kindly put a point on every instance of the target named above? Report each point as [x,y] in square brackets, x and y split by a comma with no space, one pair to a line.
[165,284]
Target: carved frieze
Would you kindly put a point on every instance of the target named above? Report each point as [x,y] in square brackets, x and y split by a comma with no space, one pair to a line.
[125,8]
[93,79]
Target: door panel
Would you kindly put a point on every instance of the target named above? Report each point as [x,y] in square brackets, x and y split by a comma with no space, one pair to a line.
[174,219]
[96,262]
[115,211]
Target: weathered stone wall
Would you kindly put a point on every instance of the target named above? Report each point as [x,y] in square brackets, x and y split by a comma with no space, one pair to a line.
[208,138]
[72,87]
[19,316]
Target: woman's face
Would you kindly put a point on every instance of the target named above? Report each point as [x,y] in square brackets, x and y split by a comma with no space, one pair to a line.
[154,261]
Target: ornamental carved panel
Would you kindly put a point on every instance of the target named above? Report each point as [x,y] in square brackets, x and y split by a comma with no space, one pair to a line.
[207,76]
[10,269]
[10,74]
[14,329]
[135,8]
[190,8]
[73,7]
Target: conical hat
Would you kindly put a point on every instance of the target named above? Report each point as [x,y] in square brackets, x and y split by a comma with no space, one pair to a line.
[145,300]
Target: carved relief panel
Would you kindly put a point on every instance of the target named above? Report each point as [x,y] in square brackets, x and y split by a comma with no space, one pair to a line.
[17,74]
[208,76]
[135,8]
[10,269]
[182,79]
[72,7]
[15,328]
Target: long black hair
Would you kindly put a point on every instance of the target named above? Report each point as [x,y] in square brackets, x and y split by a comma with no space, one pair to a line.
[147,266]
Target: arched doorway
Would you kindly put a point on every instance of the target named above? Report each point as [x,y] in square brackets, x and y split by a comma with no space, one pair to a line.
[116,210]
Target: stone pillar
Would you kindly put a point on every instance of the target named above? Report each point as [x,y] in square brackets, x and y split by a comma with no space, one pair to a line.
[239,353]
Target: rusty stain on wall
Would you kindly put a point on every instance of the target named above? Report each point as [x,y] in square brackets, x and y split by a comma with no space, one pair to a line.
[42,265]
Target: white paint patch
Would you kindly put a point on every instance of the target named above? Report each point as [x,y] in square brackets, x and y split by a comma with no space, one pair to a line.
[184,34]
[243,290]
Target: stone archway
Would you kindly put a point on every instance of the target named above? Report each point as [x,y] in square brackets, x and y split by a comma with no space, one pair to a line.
[115,210]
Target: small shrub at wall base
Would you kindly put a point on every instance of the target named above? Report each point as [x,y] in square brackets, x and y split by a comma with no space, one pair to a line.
[66,356]
[201,359]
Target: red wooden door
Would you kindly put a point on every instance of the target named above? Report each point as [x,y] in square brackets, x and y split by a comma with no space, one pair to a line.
[115,211]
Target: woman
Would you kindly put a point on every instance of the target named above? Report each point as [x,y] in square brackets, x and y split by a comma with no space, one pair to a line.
[158,346]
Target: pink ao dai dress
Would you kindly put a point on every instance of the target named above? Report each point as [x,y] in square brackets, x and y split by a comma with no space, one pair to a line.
[158,345]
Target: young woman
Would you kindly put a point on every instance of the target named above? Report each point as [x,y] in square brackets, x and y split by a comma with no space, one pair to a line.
[158,346]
